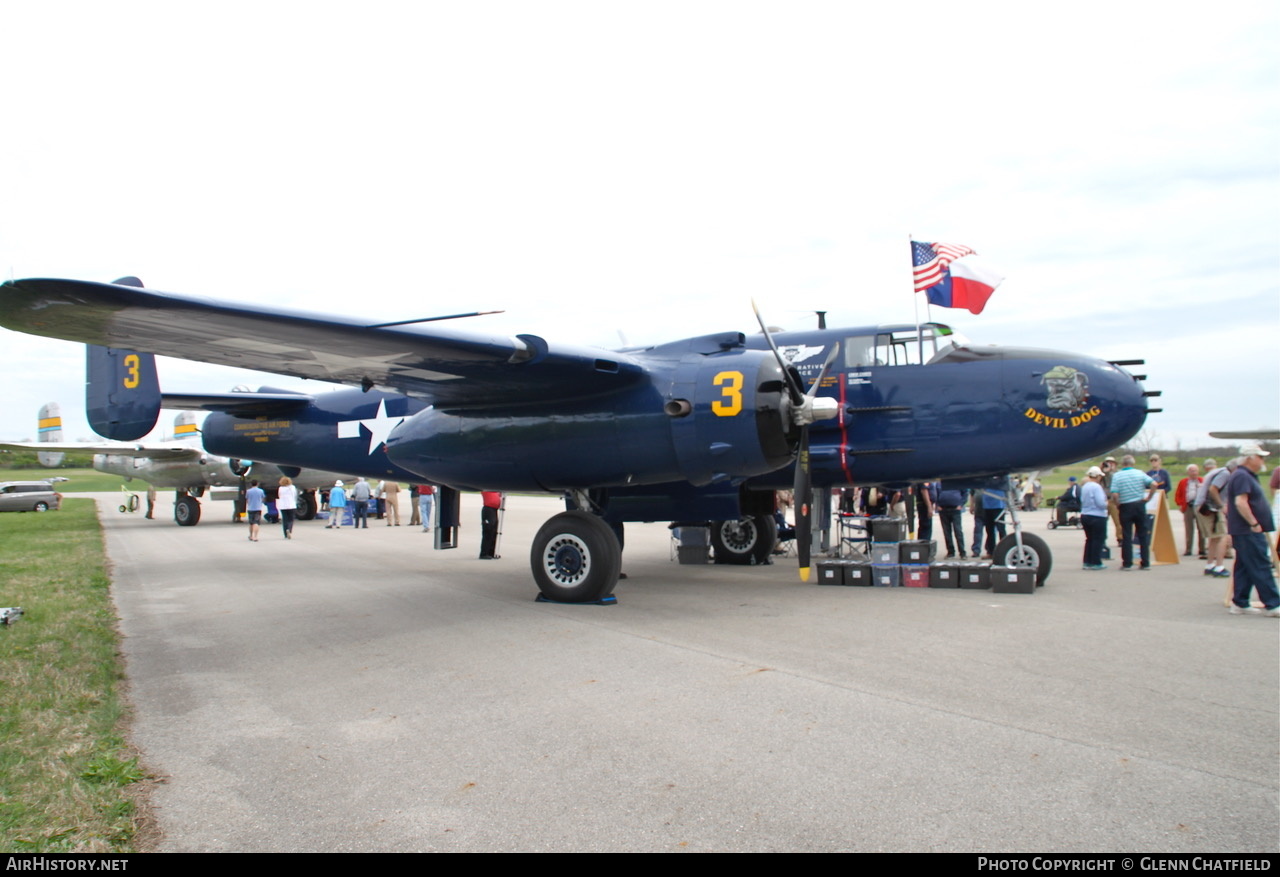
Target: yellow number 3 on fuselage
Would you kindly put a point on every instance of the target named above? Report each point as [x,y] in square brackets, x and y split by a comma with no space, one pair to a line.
[731,384]
[133,371]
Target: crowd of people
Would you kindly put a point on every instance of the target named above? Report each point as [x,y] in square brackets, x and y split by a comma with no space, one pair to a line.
[353,505]
[1224,509]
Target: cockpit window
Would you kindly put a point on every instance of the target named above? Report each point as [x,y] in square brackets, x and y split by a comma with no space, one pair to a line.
[948,344]
[902,345]
[859,350]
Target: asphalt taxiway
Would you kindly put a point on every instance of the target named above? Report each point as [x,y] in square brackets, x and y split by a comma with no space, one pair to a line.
[358,691]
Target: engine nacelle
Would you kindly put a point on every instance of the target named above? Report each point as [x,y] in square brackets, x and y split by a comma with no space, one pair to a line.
[700,417]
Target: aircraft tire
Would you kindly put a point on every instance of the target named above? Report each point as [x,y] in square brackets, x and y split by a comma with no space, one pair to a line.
[307,507]
[575,558]
[746,541]
[187,511]
[1035,555]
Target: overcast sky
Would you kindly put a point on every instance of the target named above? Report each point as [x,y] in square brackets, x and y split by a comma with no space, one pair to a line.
[598,168]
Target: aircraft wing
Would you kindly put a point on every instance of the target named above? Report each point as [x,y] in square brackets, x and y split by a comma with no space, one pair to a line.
[436,363]
[1262,434]
[154,450]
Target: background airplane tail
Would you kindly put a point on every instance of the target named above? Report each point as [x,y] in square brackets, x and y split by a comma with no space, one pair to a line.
[185,427]
[50,430]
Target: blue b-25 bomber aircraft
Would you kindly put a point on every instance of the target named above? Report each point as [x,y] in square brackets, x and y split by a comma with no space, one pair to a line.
[702,429]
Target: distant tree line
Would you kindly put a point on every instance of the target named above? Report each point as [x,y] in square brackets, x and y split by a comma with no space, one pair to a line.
[1222,453]
[29,460]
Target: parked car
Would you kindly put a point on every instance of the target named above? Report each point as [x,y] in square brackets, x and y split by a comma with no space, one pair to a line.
[28,496]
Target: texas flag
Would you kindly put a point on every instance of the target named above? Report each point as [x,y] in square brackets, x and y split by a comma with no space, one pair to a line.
[951,276]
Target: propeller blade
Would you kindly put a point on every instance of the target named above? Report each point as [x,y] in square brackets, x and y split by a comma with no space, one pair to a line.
[797,392]
[802,491]
[817,382]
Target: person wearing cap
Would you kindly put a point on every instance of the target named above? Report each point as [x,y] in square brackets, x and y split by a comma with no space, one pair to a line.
[1070,499]
[1093,517]
[1109,469]
[337,505]
[1248,522]
[1130,490]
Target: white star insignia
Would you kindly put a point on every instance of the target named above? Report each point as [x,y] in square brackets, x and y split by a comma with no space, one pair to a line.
[379,426]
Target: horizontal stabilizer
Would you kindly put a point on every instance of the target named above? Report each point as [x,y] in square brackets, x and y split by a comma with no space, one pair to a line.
[165,451]
[236,404]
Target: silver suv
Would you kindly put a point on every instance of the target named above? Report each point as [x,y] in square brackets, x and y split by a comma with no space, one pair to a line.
[28,496]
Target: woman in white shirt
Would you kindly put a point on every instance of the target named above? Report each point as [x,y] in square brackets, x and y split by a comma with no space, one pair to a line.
[287,504]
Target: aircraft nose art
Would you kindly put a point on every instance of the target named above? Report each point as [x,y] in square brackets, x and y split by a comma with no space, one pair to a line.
[1072,407]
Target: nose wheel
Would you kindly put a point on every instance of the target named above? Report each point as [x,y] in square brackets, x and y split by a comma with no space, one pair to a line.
[1034,554]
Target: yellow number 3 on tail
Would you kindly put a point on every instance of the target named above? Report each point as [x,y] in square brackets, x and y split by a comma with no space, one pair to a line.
[133,369]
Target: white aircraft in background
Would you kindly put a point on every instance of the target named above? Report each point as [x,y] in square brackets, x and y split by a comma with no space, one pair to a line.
[180,464]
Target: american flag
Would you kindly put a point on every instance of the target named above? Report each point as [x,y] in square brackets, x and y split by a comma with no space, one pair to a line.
[930,258]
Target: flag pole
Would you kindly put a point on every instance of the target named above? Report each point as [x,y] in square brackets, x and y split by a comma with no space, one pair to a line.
[915,298]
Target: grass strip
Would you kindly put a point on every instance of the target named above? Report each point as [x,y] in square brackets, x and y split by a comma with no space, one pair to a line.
[65,768]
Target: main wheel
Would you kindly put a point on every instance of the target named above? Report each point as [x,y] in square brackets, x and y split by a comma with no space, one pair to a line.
[306,506]
[575,558]
[745,541]
[187,511]
[41,507]
[1034,554]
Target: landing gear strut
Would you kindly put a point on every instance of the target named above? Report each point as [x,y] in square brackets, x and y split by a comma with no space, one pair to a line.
[1025,550]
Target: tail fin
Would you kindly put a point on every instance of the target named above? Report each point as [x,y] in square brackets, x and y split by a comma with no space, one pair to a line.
[50,430]
[185,427]
[122,390]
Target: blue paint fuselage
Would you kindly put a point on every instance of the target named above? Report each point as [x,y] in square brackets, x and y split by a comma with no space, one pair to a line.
[708,422]
[967,412]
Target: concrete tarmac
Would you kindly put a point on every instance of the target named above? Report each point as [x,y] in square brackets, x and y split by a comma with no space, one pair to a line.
[358,691]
